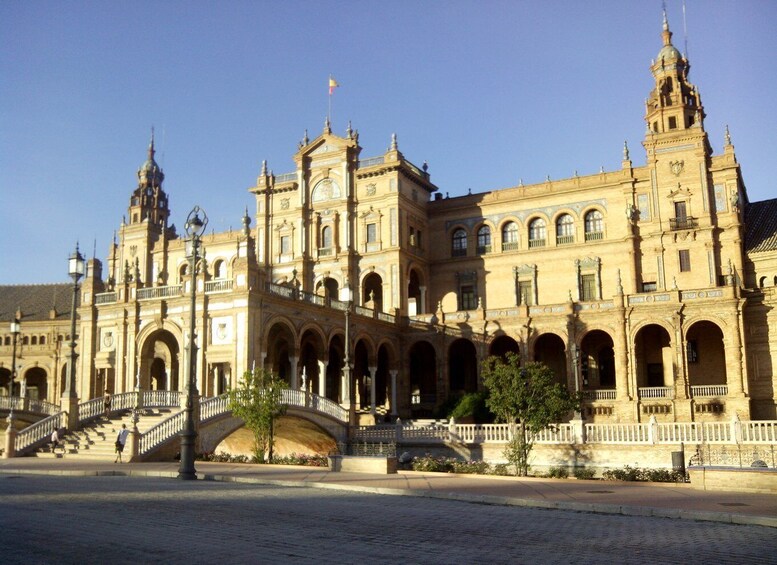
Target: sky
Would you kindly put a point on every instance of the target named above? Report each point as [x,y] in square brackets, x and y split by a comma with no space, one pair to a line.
[487,92]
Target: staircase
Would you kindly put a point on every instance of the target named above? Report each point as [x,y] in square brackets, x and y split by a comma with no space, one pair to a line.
[96,440]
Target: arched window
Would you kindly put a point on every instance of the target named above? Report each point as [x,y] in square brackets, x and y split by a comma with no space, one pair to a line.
[34,340]
[594,226]
[565,229]
[326,238]
[510,236]
[182,272]
[537,233]
[484,240]
[219,269]
[42,340]
[459,248]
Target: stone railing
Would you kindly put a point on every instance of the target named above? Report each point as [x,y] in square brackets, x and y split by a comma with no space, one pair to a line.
[655,392]
[155,292]
[105,298]
[370,162]
[647,433]
[601,394]
[285,177]
[163,431]
[39,432]
[222,285]
[698,391]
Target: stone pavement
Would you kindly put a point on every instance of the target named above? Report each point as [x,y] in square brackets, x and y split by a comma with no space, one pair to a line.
[667,500]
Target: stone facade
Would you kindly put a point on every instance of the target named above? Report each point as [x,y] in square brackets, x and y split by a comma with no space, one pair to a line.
[651,289]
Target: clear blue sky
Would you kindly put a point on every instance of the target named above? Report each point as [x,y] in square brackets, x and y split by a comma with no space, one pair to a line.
[487,92]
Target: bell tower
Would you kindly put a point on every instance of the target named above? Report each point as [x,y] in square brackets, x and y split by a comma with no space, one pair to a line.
[149,201]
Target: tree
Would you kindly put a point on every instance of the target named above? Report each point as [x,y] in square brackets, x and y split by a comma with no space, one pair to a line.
[528,396]
[258,402]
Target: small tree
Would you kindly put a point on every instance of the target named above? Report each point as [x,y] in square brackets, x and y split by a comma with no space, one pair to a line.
[528,396]
[258,402]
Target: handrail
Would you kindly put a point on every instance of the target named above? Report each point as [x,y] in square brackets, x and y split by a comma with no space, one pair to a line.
[39,431]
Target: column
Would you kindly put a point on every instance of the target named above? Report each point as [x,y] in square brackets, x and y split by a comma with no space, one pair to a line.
[293,378]
[734,359]
[373,371]
[322,366]
[422,306]
[393,374]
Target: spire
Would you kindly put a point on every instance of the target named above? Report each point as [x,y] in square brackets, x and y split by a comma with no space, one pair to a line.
[349,131]
[263,173]
[727,136]
[394,146]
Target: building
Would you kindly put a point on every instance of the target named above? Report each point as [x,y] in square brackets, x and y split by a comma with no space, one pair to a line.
[649,288]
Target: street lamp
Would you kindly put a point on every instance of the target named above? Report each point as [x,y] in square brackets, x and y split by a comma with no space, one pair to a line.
[195,227]
[16,328]
[346,295]
[76,268]
[576,370]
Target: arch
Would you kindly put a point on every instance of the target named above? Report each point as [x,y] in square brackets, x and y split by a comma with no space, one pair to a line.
[462,367]
[327,237]
[183,272]
[593,223]
[311,350]
[372,292]
[415,300]
[502,345]
[484,239]
[510,232]
[549,350]
[219,269]
[653,356]
[422,363]
[597,360]
[565,229]
[280,340]
[36,383]
[160,361]
[705,354]
[329,288]
[459,242]
[537,232]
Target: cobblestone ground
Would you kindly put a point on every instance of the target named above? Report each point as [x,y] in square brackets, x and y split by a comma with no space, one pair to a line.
[46,519]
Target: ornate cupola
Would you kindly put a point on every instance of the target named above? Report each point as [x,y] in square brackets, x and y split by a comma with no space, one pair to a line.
[674,104]
[149,202]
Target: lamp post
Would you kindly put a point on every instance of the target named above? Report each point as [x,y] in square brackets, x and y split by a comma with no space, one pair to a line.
[76,268]
[195,227]
[346,296]
[576,370]
[15,331]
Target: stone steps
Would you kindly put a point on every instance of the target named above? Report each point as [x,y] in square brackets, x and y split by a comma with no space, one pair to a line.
[96,441]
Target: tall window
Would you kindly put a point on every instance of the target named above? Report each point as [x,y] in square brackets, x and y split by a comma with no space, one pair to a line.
[326,237]
[685,260]
[588,287]
[285,244]
[467,298]
[459,243]
[525,293]
[372,233]
[537,233]
[510,236]
[565,230]
[594,225]
[484,240]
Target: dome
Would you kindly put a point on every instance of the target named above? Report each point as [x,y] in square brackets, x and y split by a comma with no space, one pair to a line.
[669,52]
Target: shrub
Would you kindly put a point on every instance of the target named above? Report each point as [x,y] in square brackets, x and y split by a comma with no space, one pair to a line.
[557,473]
[501,469]
[583,473]
[471,467]
[222,458]
[649,475]
[302,459]
[473,406]
[429,463]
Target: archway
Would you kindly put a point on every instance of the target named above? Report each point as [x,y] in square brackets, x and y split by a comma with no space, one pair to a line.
[36,384]
[280,349]
[597,361]
[311,352]
[383,379]
[361,363]
[706,354]
[372,292]
[159,362]
[462,367]
[653,349]
[503,345]
[414,301]
[549,349]
[423,377]
[328,288]
[334,369]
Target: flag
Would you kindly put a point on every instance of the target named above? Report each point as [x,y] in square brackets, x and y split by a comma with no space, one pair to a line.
[332,85]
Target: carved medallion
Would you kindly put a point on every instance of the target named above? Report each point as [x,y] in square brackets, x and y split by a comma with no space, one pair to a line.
[284,203]
[676,167]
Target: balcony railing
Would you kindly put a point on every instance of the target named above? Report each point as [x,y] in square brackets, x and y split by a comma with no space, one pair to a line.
[700,391]
[105,298]
[483,249]
[655,392]
[218,286]
[683,223]
[459,252]
[536,243]
[286,177]
[602,394]
[159,292]
[594,236]
[565,239]
[510,246]
[324,251]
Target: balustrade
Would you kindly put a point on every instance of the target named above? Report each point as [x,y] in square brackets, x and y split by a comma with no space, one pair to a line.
[655,392]
[699,391]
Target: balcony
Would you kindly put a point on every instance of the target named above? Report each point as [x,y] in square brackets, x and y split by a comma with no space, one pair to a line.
[565,239]
[594,235]
[159,292]
[656,392]
[601,394]
[709,391]
[686,223]
[533,243]
[483,249]
[510,246]
[105,298]
[218,286]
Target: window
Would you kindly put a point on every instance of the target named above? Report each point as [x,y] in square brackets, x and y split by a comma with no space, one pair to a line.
[326,237]
[672,122]
[565,230]
[372,233]
[693,351]
[43,340]
[285,244]
[588,287]
[537,233]
[459,243]
[484,240]
[594,225]
[685,260]
[467,298]
[680,210]
[649,286]
[411,237]
[510,236]
[525,293]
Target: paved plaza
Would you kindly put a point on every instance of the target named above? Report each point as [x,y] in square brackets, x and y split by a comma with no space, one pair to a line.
[82,518]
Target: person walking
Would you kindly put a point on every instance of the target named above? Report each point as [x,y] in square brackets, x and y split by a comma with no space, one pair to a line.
[121,440]
[54,439]
[107,403]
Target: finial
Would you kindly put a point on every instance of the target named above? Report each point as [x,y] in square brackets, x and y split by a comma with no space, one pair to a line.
[151,150]
[727,136]
[666,34]
[327,125]
[618,284]
[305,139]
[576,173]
[393,142]
[426,166]
[601,169]
[666,21]
[625,151]
[349,131]
[246,223]
[264,168]
[547,178]
[520,182]
[469,191]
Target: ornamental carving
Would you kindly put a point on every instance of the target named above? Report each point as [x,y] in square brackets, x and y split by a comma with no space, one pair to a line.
[676,167]
[284,203]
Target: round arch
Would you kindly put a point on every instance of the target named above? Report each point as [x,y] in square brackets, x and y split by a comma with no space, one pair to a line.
[705,354]
[462,367]
[160,361]
[550,350]
[597,360]
[502,345]
[280,338]
[422,363]
[654,356]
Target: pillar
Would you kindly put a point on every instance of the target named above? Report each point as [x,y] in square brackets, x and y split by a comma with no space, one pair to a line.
[373,371]
[293,378]
[393,374]
[322,367]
